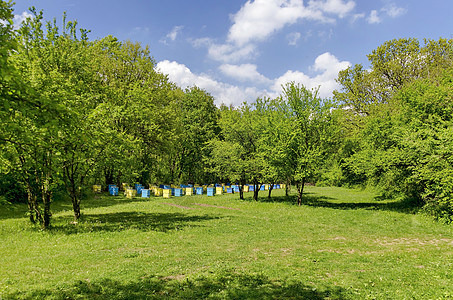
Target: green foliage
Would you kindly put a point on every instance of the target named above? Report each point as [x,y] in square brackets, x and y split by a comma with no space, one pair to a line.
[403,138]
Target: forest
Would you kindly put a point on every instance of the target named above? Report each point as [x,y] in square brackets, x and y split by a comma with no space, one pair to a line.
[76,112]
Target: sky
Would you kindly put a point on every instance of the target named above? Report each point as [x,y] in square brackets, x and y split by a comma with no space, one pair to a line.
[240,50]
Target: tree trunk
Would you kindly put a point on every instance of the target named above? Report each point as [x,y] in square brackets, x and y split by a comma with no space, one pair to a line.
[287,189]
[46,199]
[300,191]
[271,187]
[241,191]
[257,187]
[76,207]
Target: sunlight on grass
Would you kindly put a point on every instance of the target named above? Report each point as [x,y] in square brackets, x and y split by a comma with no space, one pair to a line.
[341,244]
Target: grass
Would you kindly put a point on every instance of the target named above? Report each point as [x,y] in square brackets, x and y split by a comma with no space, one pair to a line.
[341,244]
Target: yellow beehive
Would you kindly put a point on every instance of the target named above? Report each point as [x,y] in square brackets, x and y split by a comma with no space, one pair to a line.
[266,187]
[219,190]
[166,193]
[245,188]
[157,191]
[189,191]
[131,193]
[97,188]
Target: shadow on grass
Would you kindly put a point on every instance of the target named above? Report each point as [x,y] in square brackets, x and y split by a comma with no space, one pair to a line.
[310,199]
[20,210]
[226,285]
[114,222]
[402,206]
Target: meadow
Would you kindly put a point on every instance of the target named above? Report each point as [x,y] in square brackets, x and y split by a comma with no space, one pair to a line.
[340,244]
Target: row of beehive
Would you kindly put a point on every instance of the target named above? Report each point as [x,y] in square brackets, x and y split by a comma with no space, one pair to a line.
[169,191]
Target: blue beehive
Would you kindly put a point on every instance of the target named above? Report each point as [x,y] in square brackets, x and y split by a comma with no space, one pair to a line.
[211,191]
[139,188]
[199,190]
[178,192]
[262,188]
[145,193]
[277,186]
[236,188]
[229,190]
[113,191]
[251,188]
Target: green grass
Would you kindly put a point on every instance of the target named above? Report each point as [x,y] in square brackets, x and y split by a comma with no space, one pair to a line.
[341,244]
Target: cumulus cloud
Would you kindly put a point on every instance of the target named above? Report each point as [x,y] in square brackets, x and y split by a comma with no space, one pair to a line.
[326,66]
[172,35]
[374,17]
[257,20]
[230,53]
[18,19]
[393,11]
[336,7]
[244,72]
[389,10]
[222,92]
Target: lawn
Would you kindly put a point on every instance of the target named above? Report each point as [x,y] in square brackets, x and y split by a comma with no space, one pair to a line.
[341,244]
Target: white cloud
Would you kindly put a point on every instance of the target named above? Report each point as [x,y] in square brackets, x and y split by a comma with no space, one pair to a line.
[374,17]
[393,11]
[244,72]
[19,19]
[230,53]
[326,65]
[222,92]
[356,17]
[336,7]
[257,20]
[326,68]
[172,35]
[293,38]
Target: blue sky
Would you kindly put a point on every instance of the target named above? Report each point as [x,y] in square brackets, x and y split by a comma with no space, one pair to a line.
[239,50]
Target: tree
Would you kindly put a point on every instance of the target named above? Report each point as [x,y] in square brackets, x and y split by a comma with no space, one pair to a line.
[199,117]
[235,154]
[306,142]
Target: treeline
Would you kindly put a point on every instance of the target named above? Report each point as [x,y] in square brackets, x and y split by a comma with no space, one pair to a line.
[76,112]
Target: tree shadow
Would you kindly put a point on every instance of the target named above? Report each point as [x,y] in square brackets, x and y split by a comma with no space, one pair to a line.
[225,285]
[402,205]
[120,221]
[20,210]
[407,206]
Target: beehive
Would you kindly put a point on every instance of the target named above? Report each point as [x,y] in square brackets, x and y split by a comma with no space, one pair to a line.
[219,190]
[210,191]
[146,193]
[166,193]
[131,193]
[97,188]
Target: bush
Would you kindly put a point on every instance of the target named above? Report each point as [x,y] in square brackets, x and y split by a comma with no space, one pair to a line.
[12,188]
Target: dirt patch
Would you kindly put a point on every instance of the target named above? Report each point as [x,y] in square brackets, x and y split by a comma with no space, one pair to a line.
[180,206]
[173,277]
[412,241]
[208,205]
